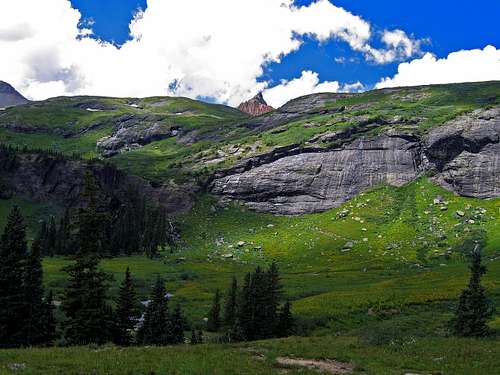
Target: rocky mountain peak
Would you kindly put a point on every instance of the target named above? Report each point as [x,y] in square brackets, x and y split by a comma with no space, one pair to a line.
[9,97]
[255,106]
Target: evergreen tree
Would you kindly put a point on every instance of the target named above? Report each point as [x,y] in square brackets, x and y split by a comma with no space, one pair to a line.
[257,313]
[49,320]
[474,308]
[236,332]
[13,253]
[42,238]
[272,297]
[33,296]
[194,337]
[253,310]
[51,239]
[155,327]
[213,323]
[178,325]
[63,239]
[230,307]
[245,312]
[127,311]
[91,222]
[200,337]
[286,323]
[89,317]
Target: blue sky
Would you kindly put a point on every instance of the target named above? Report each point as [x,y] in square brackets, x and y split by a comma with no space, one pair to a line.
[447,25]
[226,51]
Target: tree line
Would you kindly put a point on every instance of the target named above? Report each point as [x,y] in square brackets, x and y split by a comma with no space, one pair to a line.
[129,226]
[27,311]
[253,311]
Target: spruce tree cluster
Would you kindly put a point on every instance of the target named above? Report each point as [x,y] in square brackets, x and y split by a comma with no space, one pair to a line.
[26,315]
[88,315]
[159,325]
[128,312]
[253,312]
[125,226]
[474,307]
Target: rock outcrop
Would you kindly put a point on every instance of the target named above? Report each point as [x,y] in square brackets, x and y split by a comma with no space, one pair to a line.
[9,97]
[47,178]
[134,131]
[256,106]
[312,182]
[464,155]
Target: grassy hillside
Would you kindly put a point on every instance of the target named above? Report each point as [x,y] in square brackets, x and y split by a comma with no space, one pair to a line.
[391,247]
[373,282]
[217,136]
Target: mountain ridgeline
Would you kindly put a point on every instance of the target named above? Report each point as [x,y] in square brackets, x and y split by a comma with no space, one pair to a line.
[9,97]
[312,154]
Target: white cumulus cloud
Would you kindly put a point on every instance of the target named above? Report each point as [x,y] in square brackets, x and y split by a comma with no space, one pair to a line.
[462,66]
[193,48]
[307,83]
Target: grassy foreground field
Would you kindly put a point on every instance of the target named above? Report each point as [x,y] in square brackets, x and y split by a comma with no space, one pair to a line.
[373,283]
[422,356]
[395,247]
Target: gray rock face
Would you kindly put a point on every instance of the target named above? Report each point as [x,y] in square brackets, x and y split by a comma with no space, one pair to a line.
[464,153]
[9,97]
[312,182]
[133,131]
[43,178]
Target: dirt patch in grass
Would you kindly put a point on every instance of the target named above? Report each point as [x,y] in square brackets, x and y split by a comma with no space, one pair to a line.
[327,365]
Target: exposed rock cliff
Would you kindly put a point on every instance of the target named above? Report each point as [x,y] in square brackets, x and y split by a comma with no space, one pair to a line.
[255,106]
[134,131]
[464,154]
[9,97]
[46,178]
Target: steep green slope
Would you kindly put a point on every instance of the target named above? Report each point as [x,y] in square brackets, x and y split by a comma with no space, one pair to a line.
[214,136]
[388,247]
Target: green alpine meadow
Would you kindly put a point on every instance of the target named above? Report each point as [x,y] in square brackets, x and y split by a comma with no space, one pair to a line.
[153,269]
[249,187]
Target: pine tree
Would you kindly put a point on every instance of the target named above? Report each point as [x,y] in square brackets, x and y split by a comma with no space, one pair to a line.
[194,337]
[200,338]
[13,253]
[245,312]
[89,317]
[49,320]
[273,293]
[63,238]
[51,237]
[286,323]
[91,223]
[127,311]
[33,296]
[213,323]
[155,327]
[178,325]
[236,332]
[150,244]
[230,307]
[253,306]
[257,309]
[42,238]
[474,308]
